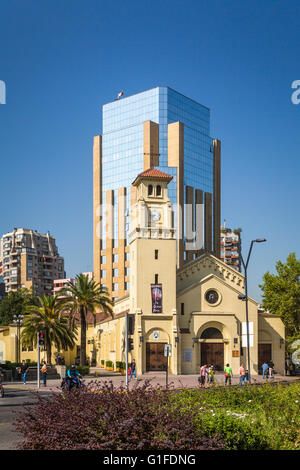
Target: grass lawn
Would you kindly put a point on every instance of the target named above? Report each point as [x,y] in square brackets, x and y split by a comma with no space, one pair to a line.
[264,417]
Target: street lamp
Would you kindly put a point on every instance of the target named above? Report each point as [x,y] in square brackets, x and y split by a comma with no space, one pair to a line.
[18,320]
[245,298]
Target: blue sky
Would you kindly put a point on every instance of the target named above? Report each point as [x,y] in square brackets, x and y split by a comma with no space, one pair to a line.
[62,60]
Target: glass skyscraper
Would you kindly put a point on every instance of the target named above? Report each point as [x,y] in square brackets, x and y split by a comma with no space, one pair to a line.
[122,153]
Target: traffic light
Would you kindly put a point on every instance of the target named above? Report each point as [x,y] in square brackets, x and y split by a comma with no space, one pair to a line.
[41,338]
[130,324]
[130,344]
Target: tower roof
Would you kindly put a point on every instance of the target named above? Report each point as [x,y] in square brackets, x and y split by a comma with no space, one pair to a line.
[152,173]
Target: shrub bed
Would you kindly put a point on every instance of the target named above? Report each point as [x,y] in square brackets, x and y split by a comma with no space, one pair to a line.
[106,418]
[83,370]
[264,417]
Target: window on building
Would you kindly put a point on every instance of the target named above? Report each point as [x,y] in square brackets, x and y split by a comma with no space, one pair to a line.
[156,279]
[127,285]
[150,190]
[103,273]
[182,308]
[116,286]
[156,254]
[115,258]
[115,272]
[158,190]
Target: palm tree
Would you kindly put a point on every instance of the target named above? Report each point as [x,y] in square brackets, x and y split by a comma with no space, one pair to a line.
[47,317]
[81,298]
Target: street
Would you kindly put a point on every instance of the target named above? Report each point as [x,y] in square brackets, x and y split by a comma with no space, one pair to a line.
[13,402]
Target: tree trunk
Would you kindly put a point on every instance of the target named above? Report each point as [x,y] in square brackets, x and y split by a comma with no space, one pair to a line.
[48,350]
[83,337]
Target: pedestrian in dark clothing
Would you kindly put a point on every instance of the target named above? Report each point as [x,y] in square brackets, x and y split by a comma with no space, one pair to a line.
[133,371]
[271,370]
[24,371]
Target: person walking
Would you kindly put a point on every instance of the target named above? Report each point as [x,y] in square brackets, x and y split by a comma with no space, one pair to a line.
[228,374]
[210,374]
[265,367]
[243,378]
[44,373]
[271,370]
[202,377]
[132,367]
[24,371]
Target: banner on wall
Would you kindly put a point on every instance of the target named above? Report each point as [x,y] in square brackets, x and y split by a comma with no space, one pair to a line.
[156,294]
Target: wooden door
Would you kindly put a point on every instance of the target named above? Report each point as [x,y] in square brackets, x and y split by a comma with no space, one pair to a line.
[155,359]
[212,354]
[264,355]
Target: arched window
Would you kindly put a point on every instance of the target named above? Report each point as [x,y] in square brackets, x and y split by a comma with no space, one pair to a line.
[211,333]
[158,190]
[150,190]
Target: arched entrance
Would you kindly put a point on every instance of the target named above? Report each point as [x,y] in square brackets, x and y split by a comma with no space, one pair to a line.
[212,352]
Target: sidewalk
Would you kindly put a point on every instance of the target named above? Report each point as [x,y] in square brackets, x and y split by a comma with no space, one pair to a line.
[156,378]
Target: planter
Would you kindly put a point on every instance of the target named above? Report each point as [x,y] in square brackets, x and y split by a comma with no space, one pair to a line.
[109,368]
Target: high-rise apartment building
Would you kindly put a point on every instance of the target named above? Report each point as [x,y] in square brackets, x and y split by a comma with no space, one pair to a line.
[30,259]
[231,247]
[158,128]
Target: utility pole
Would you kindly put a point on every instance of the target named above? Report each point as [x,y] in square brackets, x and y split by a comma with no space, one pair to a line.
[38,360]
[245,298]
[126,348]
[167,369]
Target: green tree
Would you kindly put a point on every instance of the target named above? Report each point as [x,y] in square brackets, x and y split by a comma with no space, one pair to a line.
[281,294]
[81,298]
[48,317]
[15,303]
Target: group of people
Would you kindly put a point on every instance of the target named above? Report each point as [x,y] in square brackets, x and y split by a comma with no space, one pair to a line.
[207,375]
[268,370]
[24,369]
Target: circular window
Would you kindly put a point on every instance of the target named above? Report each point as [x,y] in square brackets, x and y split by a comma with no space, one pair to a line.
[212,296]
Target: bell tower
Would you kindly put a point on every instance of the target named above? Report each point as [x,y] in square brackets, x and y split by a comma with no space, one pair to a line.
[152,263]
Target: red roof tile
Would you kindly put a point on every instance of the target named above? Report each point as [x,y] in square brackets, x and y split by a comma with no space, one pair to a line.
[153,173]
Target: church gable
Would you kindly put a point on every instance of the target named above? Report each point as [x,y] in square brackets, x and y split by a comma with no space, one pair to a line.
[207,264]
[212,294]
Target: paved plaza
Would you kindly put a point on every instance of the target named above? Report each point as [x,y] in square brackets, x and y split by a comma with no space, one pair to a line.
[155,378]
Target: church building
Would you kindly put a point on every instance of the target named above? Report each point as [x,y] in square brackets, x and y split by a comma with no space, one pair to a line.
[194,308]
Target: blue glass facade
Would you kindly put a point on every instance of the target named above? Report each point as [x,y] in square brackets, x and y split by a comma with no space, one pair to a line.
[122,141]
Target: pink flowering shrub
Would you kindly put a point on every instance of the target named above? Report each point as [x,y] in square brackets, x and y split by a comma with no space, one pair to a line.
[103,417]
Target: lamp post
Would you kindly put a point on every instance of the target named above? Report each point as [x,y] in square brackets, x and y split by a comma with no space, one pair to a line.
[245,297]
[18,320]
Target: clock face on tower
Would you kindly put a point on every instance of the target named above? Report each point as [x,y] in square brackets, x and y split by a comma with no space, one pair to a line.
[155,216]
[211,296]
